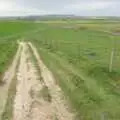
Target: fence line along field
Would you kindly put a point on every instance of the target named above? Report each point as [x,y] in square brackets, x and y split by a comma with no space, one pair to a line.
[77,53]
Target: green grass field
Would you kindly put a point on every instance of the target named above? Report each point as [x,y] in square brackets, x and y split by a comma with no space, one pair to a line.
[10,33]
[78,54]
[79,59]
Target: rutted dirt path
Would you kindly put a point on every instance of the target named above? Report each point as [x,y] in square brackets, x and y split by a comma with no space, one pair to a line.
[37,95]
[61,109]
[8,76]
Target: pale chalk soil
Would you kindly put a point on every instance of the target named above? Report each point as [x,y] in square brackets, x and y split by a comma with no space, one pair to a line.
[37,99]
[59,105]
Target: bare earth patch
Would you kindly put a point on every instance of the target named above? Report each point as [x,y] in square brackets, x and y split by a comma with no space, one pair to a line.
[36,99]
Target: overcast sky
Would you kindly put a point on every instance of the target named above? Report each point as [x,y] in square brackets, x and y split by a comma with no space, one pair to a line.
[77,7]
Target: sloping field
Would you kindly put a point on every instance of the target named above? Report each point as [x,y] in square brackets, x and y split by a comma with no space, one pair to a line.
[78,55]
[79,59]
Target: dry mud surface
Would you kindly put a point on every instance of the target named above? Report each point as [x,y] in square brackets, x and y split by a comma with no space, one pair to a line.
[37,95]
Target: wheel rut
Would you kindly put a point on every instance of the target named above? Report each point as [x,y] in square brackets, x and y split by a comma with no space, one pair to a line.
[37,99]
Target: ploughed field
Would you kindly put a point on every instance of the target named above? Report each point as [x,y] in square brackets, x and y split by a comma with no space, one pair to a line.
[78,55]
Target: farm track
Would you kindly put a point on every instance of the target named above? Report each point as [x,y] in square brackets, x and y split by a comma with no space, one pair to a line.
[7,79]
[38,97]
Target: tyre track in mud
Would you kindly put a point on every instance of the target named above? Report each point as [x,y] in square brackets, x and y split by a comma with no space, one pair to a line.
[37,95]
[7,79]
[59,105]
[28,104]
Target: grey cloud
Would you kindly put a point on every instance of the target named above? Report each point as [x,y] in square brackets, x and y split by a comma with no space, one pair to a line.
[78,7]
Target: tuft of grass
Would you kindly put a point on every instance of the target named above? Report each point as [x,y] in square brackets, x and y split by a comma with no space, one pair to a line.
[55,118]
[45,94]
[79,58]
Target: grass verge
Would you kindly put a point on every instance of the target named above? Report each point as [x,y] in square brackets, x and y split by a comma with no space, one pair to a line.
[94,102]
